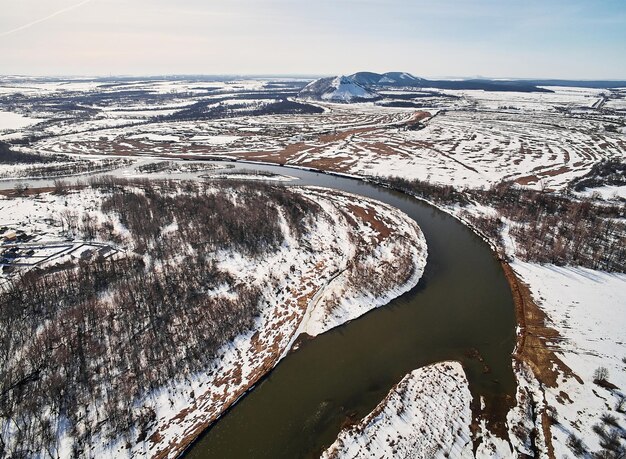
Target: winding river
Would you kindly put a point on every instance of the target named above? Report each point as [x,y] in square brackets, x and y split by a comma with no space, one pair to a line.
[461,309]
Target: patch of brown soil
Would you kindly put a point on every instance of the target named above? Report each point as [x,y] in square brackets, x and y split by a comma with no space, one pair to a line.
[330,164]
[421,115]
[291,150]
[559,171]
[535,334]
[369,217]
[496,407]
[265,156]
[342,135]
[527,180]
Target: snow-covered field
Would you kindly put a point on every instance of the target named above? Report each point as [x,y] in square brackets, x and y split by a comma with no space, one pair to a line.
[10,121]
[588,310]
[459,138]
[468,138]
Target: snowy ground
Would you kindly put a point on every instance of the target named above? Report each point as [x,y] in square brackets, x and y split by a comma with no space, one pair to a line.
[468,138]
[425,416]
[607,192]
[300,286]
[13,121]
[588,310]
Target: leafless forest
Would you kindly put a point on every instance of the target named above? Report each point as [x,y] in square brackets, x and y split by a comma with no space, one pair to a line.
[547,227]
[82,343]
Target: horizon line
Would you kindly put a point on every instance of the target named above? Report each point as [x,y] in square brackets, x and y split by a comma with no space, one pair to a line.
[290,75]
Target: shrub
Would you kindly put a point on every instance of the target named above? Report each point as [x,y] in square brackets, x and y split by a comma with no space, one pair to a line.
[601,374]
[576,445]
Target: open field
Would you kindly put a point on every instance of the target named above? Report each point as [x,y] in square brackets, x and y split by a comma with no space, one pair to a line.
[465,138]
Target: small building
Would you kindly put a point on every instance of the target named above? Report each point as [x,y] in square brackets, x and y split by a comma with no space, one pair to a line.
[86,254]
[9,236]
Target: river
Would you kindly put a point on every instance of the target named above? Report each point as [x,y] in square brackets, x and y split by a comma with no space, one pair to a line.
[462,304]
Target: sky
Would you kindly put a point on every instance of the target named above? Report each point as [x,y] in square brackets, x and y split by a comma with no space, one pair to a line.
[572,39]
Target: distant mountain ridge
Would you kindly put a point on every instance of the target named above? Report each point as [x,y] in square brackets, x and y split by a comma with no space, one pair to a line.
[364,86]
[387,79]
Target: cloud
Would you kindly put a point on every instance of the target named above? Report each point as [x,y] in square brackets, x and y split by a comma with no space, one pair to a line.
[50,16]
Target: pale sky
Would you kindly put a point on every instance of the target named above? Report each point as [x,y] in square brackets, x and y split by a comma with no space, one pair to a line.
[431,38]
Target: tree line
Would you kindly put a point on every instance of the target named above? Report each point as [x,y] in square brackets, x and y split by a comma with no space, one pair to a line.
[557,228]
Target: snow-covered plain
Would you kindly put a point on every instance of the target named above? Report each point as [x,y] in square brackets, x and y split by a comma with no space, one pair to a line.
[468,138]
[10,120]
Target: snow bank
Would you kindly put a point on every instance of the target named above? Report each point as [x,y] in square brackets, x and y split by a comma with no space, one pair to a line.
[342,300]
[426,415]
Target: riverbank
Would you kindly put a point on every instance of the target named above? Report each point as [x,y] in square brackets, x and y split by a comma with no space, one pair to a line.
[580,335]
[544,367]
[381,236]
[490,414]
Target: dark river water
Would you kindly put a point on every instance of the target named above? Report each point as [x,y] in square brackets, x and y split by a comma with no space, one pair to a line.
[462,303]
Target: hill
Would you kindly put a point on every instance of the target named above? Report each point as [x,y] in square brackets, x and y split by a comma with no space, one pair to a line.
[337,89]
